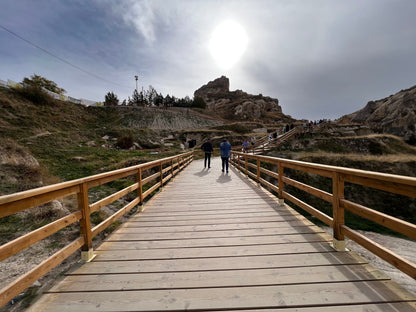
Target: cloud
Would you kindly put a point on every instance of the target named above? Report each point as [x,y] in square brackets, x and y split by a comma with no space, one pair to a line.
[320,58]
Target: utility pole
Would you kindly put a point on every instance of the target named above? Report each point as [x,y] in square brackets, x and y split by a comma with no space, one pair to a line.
[137,78]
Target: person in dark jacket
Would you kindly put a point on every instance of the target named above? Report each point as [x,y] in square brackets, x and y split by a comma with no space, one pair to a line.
[225,148]
[207,148]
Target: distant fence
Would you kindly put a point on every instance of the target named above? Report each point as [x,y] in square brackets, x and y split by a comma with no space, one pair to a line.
[12,84]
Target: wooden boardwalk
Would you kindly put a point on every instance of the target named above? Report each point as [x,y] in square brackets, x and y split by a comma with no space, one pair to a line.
[216,242]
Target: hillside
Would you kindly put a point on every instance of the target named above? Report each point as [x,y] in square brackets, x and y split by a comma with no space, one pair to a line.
[62,141]
[395,114]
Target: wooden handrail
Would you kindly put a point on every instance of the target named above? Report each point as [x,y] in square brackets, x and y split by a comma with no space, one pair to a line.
[13,203]
[396,184]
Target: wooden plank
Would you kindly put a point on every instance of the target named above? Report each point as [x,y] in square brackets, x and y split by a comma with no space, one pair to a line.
[282,296]
[312,210]
[24,281]
[10,204]
[214,242]
[220,278]
[204,212]
[13,247]
[309,189]
[369,307]
[113,197]
[213,252]
[133,235]
[287,261]
[390,222]
[104,224]
[228,216]
[399,262]
[138,229]
[391,183]
[276,218]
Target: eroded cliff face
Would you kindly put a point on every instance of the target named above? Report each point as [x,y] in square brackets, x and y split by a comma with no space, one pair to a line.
[395,114]
[239,105]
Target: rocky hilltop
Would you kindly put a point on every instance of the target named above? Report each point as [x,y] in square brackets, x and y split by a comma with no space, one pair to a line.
[239,105]
[395,115]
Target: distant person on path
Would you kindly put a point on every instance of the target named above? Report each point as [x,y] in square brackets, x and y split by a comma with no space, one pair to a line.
[208,150]
[225,148]
[245,146]
[253,142]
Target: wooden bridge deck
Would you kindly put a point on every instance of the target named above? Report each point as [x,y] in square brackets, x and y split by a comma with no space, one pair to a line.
[216,242]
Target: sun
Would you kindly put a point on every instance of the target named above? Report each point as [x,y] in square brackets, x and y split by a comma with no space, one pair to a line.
[228,43]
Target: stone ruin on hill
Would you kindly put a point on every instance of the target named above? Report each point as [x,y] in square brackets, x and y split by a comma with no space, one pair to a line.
[237,104]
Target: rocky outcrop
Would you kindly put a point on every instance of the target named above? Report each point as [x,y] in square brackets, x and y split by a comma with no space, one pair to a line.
[239,105]
[18,168]
[395,114]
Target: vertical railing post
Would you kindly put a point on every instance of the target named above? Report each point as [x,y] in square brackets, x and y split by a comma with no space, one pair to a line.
[87,252]
[140,184]
[337,211]
[258,171]
[171,167]
[281,184]
[161,175]
[246,165]
[179,163]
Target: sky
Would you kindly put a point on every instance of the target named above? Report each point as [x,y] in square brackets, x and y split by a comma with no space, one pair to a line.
[320,58]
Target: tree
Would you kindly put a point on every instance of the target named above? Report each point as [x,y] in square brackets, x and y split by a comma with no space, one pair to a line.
[135,100]
[158,100]
[111,99]
[151,95]
[199,102]
[39,81]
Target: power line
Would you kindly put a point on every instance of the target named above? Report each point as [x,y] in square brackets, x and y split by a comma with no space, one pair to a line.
[60,59]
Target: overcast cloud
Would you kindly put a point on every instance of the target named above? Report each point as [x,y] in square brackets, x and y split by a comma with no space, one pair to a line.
[320,58]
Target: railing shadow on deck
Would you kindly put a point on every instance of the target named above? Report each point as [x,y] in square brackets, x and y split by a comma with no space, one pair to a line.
[148,178]
[254,166]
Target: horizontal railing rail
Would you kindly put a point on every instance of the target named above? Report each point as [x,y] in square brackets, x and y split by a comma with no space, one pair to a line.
[254,167]
[158,172]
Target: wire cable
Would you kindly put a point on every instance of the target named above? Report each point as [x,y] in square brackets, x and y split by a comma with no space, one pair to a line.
[60,59]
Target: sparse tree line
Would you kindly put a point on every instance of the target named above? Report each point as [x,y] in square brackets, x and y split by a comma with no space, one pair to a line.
[146,98]
[152,98]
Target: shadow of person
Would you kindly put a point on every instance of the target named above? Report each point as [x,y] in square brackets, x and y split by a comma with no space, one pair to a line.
[202,173]
[224,178]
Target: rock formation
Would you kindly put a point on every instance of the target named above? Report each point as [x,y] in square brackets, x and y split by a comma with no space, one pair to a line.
[395,114]
[238,105]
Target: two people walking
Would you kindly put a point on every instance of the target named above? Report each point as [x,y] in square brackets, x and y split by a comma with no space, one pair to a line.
[225,148]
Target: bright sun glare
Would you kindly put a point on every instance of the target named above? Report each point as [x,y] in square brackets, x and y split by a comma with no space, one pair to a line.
[228,43]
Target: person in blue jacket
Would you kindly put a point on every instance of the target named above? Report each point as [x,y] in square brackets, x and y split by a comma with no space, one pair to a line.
[225,148]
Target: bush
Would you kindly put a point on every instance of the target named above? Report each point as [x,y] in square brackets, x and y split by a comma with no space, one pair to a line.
[125,142]
[36,95]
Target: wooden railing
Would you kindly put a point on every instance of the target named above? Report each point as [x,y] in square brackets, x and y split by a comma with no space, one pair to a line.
[157,173]
[254,167]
